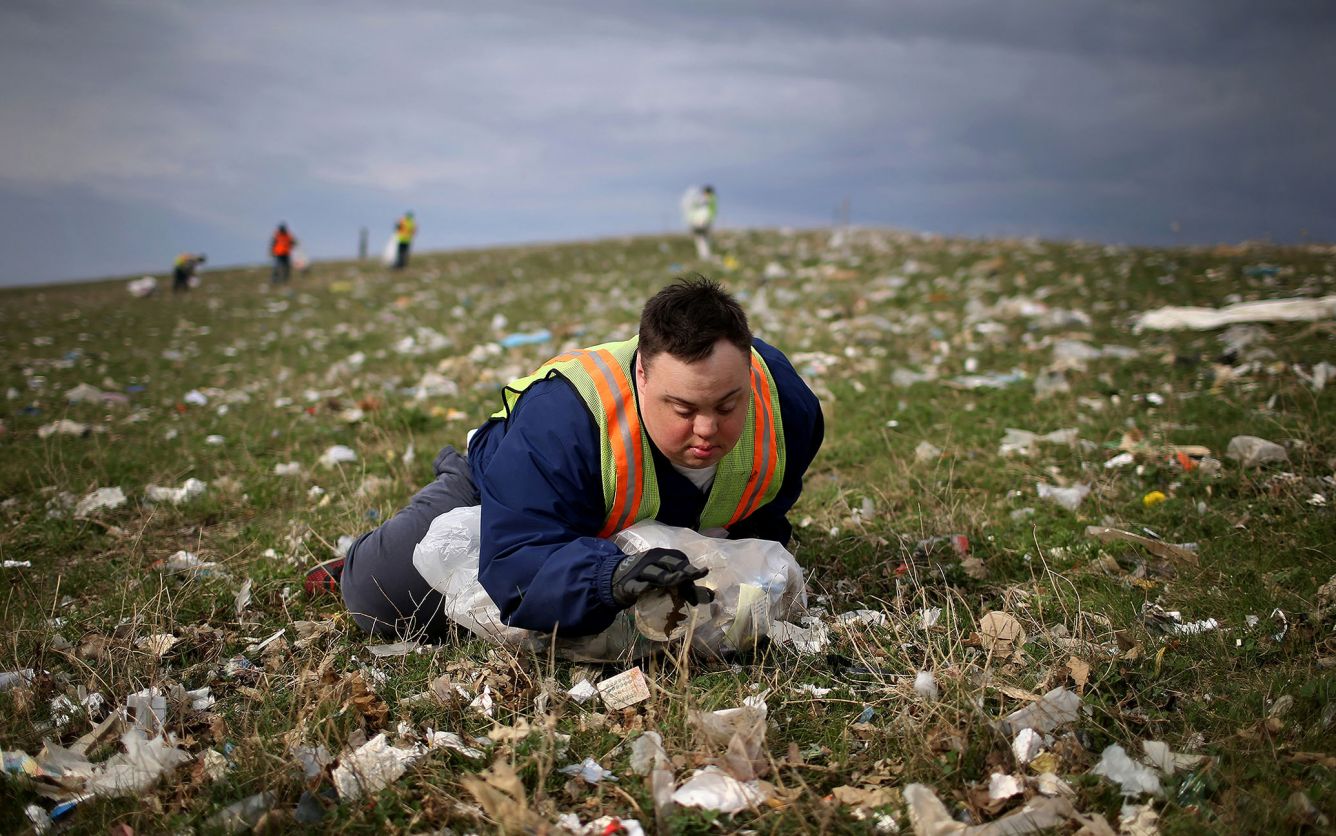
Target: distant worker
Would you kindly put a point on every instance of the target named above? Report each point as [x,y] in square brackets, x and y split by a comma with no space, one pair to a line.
[183,271]
[698,208]
[280,247]
[404,231]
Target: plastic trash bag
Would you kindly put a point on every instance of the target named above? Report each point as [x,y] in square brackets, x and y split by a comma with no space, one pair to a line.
[300,260]
[144,287]
[695,208]
[390,254]
[447,558]
[756,583]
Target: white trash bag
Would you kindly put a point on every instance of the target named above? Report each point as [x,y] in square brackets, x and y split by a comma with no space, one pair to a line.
[757,577]
[695,208]
[447,558]
[390,254]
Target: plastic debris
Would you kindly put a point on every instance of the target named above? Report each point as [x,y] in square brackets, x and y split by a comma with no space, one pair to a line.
[741,730]
[1159,756]
[588,771]
[99,500]
[602,826]
[1251,451]
[582,691]
[861,618]
[11,679]
[1056,708]
[195,398]
[1153,498]
[1172,318]
[287,469]
[810,638]
[1138,820]
[387,651]
[1027,745]
[926,451]
[371,767]
[1026,443]
[83,393]
[1002,786]
[1121,460]
[648,754]
[521,339]
[925,685]
[188,562]
[142,287]
[713,789]
[189,489]
[1133,778]
[929,817]
[987,381]
[243,815]
[1069,498]
[1322,374]
[64,426]
[337,454]
[1186,552]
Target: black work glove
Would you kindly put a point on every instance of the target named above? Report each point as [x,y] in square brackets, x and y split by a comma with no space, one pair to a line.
[659,569]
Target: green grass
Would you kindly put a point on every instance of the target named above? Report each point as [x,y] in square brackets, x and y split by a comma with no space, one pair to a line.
[276,360]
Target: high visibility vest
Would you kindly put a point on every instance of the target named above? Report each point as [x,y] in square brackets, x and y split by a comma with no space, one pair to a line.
[746,478]
[407,228]
[282,244]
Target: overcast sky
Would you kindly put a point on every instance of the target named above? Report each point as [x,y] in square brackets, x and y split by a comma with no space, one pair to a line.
[131,131]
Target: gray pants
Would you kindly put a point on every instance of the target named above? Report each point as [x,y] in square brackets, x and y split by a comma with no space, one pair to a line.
[386,595]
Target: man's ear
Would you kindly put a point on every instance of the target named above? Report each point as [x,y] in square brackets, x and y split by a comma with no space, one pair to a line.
[640,370]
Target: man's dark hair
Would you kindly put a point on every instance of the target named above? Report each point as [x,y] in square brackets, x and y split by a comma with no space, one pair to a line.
[688,317]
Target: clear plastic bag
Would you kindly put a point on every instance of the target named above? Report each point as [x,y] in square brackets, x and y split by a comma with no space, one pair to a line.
[447,558]
[756,583]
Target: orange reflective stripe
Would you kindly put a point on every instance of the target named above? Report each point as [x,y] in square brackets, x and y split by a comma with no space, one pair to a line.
[764,455]
[614,392]
[629,432]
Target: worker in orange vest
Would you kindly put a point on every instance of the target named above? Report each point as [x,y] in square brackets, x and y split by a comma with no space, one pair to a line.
[280,247]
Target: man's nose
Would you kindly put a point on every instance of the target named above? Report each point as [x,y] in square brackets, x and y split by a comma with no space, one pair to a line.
[705,426]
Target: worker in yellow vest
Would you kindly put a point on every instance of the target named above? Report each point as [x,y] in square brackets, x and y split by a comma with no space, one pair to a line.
[693,423]
[404,231]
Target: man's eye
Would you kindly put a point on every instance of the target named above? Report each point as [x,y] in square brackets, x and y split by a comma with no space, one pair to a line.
[683,413]
[727,408]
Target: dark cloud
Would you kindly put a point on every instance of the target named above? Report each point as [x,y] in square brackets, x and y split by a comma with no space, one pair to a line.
[146,127]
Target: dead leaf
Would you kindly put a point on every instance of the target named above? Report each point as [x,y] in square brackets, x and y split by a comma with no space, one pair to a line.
[1079,670]
[1001,633]
[503,797]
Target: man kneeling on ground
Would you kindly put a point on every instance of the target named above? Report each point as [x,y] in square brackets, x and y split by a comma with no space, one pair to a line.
[693,423]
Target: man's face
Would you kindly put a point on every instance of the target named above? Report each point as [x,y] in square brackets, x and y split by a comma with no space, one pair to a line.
[695,412]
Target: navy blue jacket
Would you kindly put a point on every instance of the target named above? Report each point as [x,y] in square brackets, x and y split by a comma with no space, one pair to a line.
[540,477]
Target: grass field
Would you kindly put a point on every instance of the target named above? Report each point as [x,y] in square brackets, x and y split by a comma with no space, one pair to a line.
[226,382]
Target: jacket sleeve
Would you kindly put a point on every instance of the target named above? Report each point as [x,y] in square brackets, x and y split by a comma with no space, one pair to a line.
[542,507]
[804,430]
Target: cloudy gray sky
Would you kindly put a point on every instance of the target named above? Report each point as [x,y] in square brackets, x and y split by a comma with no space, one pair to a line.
[134,130]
